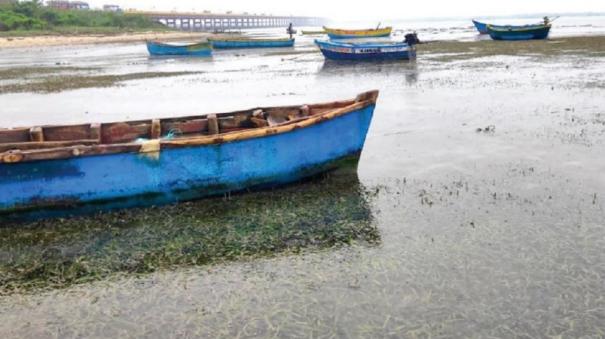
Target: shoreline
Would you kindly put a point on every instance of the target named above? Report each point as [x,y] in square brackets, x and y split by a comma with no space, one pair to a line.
[55,78]
[99,38]
[63,39]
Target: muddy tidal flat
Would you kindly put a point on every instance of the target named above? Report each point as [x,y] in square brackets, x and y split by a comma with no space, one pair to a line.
[477,208]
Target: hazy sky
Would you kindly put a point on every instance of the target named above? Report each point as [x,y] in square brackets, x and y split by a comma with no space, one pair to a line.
[378,10]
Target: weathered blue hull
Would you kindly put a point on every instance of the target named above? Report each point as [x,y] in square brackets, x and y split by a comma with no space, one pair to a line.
[480,26]
[77,185]
[162,49]
[530,32]
[366,51]
[251,43]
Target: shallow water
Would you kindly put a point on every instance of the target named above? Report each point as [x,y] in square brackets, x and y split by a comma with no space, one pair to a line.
[463,29]
[482,233]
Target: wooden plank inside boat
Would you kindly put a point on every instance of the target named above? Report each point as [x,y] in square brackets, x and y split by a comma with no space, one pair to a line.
[66,133]
[14,135]
[124,132]
[45,144]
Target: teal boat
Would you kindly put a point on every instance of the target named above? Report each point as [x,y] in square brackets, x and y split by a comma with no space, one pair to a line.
[156,48]
[526,32]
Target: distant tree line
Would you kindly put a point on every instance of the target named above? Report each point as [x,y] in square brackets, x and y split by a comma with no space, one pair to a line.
[32,15]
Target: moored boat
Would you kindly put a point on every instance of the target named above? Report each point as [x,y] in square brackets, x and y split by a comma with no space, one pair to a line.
[202,49]
[370,51]
[48,171]
[313,32]
[526,32]
[234,43]
[480,26]
[335,33]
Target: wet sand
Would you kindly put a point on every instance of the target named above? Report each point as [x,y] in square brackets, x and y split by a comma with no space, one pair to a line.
[481,180]
[78,39]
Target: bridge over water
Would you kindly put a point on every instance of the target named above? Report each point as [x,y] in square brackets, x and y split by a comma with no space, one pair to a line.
[219,22]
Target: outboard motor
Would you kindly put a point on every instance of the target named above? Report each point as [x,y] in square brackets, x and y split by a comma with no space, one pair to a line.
[412,39]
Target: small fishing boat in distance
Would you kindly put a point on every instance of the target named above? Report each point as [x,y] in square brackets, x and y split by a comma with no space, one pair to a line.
[56,171]
[369,51]
[480,26]
[233,43]
[335,33]
[201,49]
[303,32]
[526,32]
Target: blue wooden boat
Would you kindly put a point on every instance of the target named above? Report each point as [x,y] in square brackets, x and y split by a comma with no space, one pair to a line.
[370,51]
[53,171]
[202,49]
[526,32]
[250,43]
[480,26]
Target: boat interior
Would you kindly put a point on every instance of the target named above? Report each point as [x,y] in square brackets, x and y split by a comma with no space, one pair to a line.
[179,44]
[133,132]
[245,39]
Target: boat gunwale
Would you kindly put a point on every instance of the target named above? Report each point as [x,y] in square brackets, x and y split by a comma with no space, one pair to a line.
[197,44]
[362,101]
[210,40]
[339,31]
[303,32]
[362,44]
[514,29]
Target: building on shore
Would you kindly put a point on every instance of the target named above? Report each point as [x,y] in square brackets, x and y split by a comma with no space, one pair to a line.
[63,4]
[80,5]
[112,8]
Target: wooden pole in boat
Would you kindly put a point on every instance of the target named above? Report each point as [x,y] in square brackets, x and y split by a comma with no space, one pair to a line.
[95,132]
[156,129]
[213,124]
[36,134]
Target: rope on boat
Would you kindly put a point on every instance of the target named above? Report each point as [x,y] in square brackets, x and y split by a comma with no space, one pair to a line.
[173,133]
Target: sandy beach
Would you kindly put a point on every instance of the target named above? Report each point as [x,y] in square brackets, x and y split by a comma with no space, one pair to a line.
[70,40]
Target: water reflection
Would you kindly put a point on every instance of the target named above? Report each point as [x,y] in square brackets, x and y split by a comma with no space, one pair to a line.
[408,68]
[327,211]
[184,59]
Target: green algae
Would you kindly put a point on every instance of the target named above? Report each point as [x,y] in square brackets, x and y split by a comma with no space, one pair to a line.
[445,51]
[57,83]
[28,72]
[329,211]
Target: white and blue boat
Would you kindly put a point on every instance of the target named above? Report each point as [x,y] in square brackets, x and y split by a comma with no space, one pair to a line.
[56,171]
[202,49]
[236,43]
[371,51]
